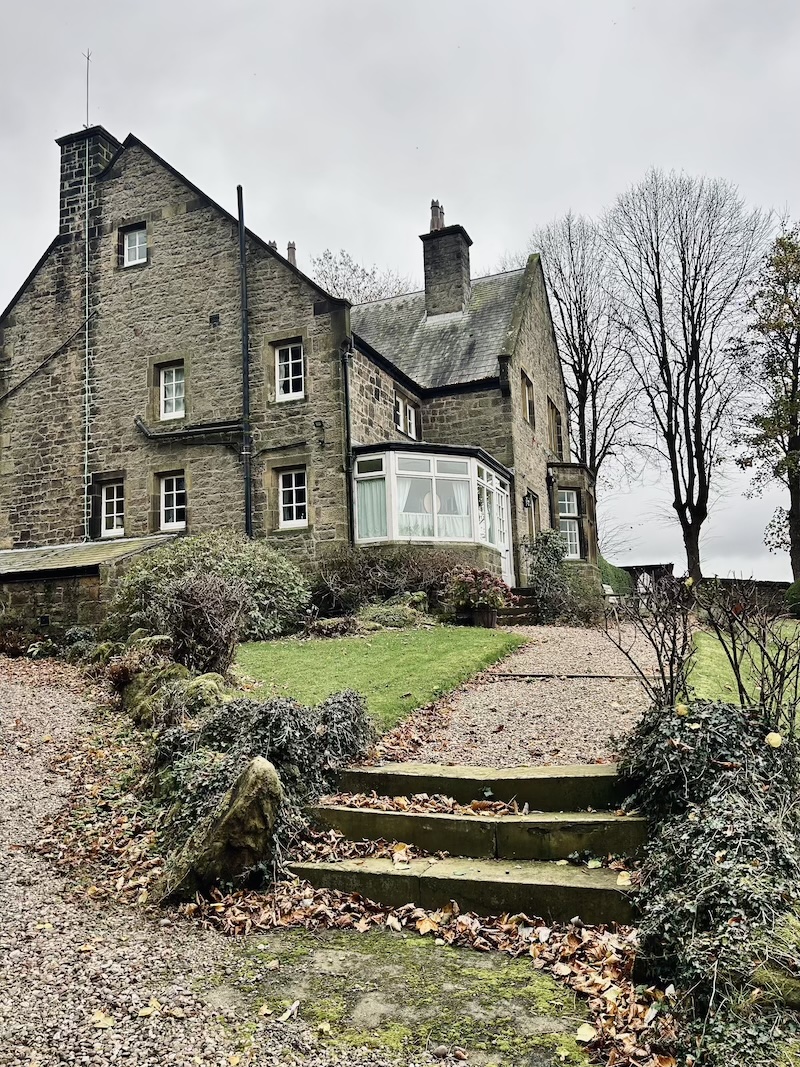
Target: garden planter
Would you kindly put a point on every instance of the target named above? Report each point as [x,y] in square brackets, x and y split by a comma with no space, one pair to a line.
[464,617]
[484,616]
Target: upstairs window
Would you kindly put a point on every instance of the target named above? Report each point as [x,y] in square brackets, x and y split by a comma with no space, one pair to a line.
[528,408]
[568,522]
[112,510]
[406,417]
[172,391]
[555,429]
[289,375]
[173,502]
[134,247]
[293,490]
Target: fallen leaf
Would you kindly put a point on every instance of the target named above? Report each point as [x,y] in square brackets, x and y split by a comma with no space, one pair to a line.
[273,965]
[585,1034]
[102,1021]
[624,878]
[393,923]
[265,1009]
[290,1012]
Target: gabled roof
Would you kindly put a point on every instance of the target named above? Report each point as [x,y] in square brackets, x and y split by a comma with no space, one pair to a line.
[444,350]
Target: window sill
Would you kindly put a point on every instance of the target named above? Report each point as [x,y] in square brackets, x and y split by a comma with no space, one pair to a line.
[278,530]
[179,528]
[134,266]
[291,399]
[109,535]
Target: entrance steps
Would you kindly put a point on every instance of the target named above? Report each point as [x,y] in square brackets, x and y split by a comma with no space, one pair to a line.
[496,863]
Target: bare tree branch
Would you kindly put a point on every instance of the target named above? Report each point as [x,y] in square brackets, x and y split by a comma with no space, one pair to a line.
[684,250]
[340,275]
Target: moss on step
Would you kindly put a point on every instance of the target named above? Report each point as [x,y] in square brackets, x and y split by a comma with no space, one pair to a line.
[401,994]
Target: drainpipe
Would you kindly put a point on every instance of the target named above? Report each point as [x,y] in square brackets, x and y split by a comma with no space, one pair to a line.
[247,440]
[346,353]
[550,501]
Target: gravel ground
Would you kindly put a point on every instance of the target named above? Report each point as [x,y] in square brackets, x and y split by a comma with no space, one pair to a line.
[499,721]
[74,977]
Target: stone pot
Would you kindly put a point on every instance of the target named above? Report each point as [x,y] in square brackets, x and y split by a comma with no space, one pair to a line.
[485,616]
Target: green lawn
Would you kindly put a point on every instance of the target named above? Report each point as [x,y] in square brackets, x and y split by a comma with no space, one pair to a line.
[396,671]
[711,676]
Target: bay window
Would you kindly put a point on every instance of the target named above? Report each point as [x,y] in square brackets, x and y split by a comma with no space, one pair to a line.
[568,522]
[400,497]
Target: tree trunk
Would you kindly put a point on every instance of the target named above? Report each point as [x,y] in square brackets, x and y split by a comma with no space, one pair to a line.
[794,525]
[691,542]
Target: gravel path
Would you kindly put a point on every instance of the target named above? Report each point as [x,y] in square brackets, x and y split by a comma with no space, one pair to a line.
[75,977]
[502,721]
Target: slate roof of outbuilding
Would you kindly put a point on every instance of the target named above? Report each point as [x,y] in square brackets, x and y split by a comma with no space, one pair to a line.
[85,555]
[443,350]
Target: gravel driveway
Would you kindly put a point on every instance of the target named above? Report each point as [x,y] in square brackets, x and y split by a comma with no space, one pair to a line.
[86,984]
[507,718]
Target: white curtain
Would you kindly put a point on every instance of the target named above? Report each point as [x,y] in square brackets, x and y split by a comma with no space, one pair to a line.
[456,524]
[371,504]
[413,523]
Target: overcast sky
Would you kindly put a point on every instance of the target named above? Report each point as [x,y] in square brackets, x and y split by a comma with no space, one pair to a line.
[343,118]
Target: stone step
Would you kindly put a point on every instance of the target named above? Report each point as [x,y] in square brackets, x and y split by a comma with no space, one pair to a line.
[550,891]
[544,836]
[569,788]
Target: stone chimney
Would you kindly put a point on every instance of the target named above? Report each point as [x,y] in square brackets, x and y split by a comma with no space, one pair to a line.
[101,147]
[291,253]
[446,252]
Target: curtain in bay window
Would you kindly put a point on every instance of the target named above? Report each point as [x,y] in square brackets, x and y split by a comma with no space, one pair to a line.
[453,518]
[371,508]
[413,519]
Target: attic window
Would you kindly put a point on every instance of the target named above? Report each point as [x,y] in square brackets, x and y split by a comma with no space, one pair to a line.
[134,246]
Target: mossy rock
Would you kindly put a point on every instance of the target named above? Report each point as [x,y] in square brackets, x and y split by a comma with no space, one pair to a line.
[142,695]
[236,837]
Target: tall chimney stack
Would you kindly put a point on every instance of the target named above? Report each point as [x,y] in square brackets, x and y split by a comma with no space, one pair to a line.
[101,147]
[446,254]
[291,253]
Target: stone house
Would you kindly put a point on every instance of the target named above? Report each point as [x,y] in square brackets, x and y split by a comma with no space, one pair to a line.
[137,399]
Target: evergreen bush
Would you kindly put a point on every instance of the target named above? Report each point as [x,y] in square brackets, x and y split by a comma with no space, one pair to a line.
[276,595]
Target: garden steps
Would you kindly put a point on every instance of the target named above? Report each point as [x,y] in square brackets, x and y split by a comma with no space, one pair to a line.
[574,787]
[541,836]
[496,863]
[486,886]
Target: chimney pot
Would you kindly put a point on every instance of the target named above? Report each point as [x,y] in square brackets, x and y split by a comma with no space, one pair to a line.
[273,244]
[291,253]
[437,216]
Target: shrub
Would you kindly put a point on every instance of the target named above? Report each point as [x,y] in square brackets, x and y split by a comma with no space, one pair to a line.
[351,577]
[16,636]
[619,579]
[793,598]
[277,595]
[393,616]
[469,587]
[196,766]
[202,615]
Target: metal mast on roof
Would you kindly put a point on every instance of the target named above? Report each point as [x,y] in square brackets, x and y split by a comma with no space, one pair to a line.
[87,508]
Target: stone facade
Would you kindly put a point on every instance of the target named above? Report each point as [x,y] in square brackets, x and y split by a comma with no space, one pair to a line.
[81,371]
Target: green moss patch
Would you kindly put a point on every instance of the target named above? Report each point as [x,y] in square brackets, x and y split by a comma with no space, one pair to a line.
[403,994]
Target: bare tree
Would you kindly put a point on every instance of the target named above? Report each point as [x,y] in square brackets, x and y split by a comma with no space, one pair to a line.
[684,250]
[340,275]
[599,382]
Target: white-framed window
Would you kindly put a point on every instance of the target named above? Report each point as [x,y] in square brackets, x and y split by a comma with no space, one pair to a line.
[568,521]
[173,502]
[293,492]
[134,247]
[172,391]
[289,373]
[406,417]
[112,510]
[413,496]
[528,406]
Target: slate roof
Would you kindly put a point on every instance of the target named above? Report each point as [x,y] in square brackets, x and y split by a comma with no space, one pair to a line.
[88,555]
[443,350]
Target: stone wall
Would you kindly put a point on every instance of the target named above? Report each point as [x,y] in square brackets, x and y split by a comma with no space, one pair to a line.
[183,303]
[536,355]
[478,418]
[372,392]
[55,603]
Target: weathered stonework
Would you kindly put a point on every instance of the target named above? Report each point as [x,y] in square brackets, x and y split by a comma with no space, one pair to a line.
[79,400]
